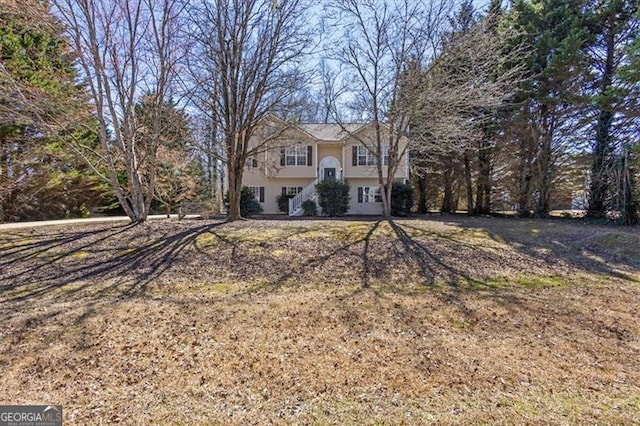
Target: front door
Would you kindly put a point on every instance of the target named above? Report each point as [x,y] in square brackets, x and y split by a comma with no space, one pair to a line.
[329,173]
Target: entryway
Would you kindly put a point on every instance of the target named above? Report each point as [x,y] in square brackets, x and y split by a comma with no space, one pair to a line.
[329,168]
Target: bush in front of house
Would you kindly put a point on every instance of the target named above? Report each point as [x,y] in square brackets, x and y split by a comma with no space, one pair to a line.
[249,205]
[333,197]
[283,202]
[310,208]
[401,199]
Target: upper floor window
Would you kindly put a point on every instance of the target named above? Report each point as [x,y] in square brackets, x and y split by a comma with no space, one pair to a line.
[252,161]
[385,155]
[296,155]
[362,156]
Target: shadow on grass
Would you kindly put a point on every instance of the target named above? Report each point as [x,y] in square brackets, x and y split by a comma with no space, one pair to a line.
[36,265]
[570,243]
[102,264]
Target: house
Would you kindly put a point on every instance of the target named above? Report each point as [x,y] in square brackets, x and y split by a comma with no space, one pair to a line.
[292,158]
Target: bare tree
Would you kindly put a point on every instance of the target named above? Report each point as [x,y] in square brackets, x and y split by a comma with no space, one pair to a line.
[245,61]
[460,96]
[385,43]
[126,48]
[207,149]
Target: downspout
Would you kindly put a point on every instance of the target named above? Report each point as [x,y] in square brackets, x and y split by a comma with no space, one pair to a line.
[343,166]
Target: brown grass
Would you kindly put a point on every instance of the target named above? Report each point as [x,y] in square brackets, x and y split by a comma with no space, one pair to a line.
[450,320]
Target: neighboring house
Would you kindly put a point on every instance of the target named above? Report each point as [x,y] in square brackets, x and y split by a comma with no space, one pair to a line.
[293,158]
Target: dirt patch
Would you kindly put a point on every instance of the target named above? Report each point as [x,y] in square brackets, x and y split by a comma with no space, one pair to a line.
[454,320]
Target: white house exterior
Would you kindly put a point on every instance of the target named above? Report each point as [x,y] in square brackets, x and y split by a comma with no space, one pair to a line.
[293,158]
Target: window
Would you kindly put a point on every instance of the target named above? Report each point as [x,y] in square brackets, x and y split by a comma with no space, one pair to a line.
[385,155]
[369,194]
[258,193]
[297,155]
[291,190]
[252,162]
[364,157]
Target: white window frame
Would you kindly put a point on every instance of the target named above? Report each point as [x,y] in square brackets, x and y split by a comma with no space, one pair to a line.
[295,155]
[371,194]
[385,155]
[293,190]
[367,158]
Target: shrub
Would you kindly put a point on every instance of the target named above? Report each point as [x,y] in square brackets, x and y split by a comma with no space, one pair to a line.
[310,208]
[401,199]
[333,197]
[283,202]
[248,203]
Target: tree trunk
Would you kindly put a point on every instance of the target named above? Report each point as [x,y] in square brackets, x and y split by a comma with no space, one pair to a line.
[386,199]
[600,167]
[545,178]
[468,183]
[422,194]
[447,201]
[235,188]
[629,201]
[524,185]
[483,189]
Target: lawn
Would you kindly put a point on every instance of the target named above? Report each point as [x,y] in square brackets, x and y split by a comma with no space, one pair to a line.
[448,320]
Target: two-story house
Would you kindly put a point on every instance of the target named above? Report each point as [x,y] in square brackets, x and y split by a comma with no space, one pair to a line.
[293,158]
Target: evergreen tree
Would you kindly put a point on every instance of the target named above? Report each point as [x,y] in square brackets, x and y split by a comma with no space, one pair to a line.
[176,175]
[41,107]
[555,33]
[614,30]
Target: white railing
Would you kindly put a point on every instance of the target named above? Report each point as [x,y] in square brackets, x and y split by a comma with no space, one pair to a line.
[296,202]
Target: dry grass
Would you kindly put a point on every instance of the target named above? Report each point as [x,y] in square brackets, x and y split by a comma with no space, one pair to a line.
[449,321]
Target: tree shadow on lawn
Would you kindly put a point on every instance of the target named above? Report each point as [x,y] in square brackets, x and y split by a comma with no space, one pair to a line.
[35,265]
[567,244]
[409,254]
[49,262]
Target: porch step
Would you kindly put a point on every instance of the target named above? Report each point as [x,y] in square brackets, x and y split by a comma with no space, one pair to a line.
[307,193]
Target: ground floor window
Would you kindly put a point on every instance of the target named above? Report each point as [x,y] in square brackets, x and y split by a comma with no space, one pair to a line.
[258,193]
[369,194]
[291,190]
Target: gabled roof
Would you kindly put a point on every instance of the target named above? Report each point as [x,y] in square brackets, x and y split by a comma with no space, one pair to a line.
[331,132]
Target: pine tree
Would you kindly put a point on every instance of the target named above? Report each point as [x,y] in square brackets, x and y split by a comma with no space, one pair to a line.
[555,33]
[614,30]
[40,107]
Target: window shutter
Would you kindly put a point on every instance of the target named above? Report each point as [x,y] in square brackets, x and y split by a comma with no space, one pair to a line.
[284,190]
[262,194]
[360,197]
[282,156]
[309,155]
[354,156]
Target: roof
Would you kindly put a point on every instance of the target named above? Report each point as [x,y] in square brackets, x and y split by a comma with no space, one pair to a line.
[331,132]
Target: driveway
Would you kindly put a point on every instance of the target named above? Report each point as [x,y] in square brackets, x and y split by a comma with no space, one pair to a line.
[18,225]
